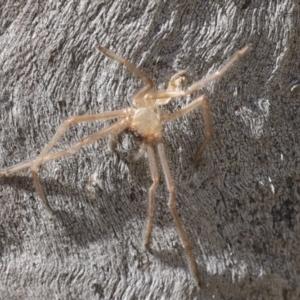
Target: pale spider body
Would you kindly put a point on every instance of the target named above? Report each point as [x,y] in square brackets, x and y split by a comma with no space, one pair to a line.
[147,120]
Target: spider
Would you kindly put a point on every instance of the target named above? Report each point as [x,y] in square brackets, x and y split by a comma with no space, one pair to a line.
[146,119]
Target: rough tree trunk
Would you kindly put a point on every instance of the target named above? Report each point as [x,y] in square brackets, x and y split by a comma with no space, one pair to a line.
[240,208]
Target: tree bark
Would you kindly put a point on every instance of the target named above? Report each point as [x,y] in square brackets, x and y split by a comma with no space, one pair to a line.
[240,207]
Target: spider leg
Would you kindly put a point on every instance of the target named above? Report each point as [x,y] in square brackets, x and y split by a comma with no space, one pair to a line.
[199,84]
[16,168]
[203,101]
[34,164]
[152,192]
[76,120]
[172,207]
[70,151]
[149,83]
[85,141]
[63,128]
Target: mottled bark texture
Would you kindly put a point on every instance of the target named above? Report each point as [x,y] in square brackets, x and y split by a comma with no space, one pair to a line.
[240,207]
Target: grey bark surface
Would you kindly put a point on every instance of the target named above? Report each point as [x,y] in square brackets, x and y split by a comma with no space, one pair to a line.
[240,207]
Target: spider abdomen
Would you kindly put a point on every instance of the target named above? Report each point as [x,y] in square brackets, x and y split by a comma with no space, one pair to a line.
[147,123]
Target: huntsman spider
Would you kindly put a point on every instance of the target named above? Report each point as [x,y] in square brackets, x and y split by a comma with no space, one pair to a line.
[146,119]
